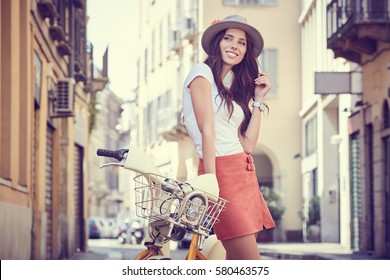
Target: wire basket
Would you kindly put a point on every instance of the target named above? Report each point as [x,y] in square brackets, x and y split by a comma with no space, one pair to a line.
[159,198]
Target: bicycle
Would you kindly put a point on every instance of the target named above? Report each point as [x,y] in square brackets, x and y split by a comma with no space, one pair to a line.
[173,208]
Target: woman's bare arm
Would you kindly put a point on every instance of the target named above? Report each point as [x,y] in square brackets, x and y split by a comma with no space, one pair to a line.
[204,114]
[249,140]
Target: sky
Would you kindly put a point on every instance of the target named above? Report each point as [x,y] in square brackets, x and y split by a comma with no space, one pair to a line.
[114,23]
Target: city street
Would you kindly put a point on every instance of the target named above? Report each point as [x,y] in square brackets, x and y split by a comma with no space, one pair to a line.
[98,135]
[103,249]
[110,249]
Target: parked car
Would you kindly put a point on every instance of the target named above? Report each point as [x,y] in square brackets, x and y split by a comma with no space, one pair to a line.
[93,228]
[131,232]
[101,225]
[114,228]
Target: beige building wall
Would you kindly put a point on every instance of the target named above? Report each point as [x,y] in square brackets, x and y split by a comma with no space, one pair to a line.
[376,84]
[330,161]
[369,122]
[27,164]
[166,55]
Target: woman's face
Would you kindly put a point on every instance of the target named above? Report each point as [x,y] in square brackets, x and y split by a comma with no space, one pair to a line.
[233,46]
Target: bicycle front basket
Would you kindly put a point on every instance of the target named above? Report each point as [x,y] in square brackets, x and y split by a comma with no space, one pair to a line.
[161,198]
[158,197]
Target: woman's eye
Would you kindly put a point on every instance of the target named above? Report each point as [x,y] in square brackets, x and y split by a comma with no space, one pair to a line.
[243,43]
[227,38]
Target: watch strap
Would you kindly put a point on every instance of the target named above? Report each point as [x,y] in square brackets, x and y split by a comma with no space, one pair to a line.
[260,105]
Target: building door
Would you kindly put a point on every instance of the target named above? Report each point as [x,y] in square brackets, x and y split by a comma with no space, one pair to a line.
[386,148]
[369,192]
[78,197]
[49,192]
[34,164]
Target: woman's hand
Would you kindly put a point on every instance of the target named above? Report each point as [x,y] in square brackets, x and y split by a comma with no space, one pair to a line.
[263,85]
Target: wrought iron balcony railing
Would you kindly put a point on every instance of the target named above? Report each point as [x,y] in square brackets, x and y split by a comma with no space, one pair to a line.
[70,42]
[356,26]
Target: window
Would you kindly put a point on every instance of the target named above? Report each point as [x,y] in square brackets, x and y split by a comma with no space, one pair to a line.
[311,136]
[313,183]
[164,112]
[377,9]
[268,61]
[386,115]
[169,28]
[250,2]
[153,47]
[150,123]
[6,37]
[230,2]
[146,65]
[161,42]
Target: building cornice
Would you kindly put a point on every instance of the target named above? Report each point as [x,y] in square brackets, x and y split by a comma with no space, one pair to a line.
[305,11]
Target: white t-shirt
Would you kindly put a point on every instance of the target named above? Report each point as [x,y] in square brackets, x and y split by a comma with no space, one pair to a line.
[227,141]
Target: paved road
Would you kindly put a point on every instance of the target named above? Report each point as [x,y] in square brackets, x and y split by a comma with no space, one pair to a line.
[101,249]
[112,249]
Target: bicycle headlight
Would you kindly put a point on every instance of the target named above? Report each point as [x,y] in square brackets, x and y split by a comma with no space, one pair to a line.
[194,208]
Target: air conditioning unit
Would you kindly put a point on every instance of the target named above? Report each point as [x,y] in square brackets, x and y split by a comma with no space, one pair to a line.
[62,99]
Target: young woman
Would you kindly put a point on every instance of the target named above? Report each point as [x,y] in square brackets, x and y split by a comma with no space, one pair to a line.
[225,130]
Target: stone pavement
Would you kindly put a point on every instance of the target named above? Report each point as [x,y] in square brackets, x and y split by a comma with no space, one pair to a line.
[290,251]
[311,251]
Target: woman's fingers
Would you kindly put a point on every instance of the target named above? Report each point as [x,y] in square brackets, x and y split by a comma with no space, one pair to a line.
[262,75]
[262,80]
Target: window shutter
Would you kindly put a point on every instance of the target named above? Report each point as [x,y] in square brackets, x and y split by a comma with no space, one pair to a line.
[230,2]
[269,2]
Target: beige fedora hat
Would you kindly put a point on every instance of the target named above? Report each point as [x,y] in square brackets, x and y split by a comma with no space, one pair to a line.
[233,21]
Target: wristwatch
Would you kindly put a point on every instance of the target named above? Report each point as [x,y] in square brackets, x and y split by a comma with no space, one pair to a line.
[260,105]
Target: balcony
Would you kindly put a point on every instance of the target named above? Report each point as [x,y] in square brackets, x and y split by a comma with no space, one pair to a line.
[188,30]
[354,27]
[80,46]
[47,9]
[80,4]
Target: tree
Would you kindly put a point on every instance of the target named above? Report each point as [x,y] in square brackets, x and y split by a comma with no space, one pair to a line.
[314,216]
[272,198]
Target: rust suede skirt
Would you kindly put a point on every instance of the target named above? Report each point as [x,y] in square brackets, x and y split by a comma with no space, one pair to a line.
[246,212]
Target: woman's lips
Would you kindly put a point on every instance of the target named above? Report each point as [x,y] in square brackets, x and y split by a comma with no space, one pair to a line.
[232,54]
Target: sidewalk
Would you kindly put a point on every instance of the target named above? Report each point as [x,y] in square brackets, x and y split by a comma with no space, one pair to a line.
[311,251]
[90,255]
[285,251]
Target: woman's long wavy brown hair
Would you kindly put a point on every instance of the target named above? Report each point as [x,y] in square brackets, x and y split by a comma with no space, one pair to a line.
[242,88]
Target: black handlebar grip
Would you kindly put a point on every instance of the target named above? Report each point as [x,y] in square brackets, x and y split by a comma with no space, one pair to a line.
[117,154]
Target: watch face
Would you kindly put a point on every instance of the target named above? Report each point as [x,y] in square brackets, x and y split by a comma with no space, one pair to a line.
[262,107]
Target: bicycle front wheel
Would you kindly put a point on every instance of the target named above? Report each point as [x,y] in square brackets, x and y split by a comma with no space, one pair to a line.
[146,254]
[151,254]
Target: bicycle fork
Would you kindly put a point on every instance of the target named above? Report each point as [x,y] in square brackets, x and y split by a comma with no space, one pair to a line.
[194,251]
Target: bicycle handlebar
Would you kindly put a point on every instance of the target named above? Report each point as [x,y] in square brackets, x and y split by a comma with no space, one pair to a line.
[117,154]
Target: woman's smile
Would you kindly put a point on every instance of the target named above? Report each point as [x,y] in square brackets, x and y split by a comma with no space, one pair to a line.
[233,46]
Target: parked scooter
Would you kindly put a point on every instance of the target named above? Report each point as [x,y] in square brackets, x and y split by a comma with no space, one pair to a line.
[131,232]
[137,232]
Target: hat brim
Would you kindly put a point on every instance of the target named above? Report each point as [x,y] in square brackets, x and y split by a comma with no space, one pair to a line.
[213,30]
